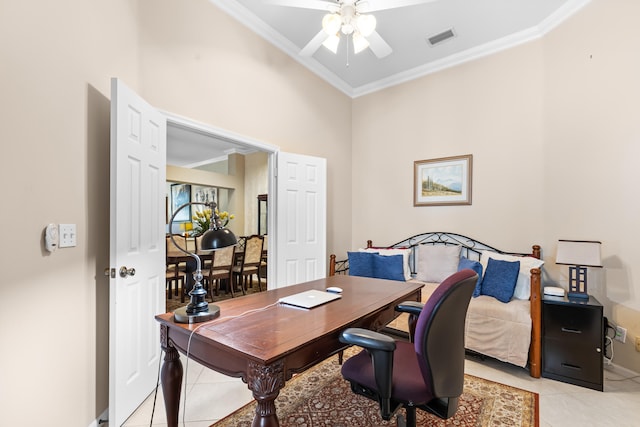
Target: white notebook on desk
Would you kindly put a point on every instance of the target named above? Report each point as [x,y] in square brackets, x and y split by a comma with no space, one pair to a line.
[309,299]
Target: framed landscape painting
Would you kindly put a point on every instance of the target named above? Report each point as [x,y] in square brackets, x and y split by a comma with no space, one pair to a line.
[441,182]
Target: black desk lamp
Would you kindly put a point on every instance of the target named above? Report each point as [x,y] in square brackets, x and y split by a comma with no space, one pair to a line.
[216,237]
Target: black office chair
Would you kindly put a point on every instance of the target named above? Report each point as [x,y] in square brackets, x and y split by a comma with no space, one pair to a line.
[426,374]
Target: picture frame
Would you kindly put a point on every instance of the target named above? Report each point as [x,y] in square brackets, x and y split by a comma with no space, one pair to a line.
[181,194]
[203,194]
[443,181]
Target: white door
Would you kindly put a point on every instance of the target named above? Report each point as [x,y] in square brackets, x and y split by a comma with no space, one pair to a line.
[138,171]
[301,224]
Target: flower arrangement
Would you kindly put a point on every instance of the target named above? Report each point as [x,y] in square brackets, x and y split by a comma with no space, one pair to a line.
[202,220]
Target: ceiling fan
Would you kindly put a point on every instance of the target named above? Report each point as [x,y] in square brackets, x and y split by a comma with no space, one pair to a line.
[349,18]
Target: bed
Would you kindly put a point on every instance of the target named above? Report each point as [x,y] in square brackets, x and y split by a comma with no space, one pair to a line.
[504,327]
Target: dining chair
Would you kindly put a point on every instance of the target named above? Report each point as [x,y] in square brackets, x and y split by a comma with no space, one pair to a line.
[221,265]
[262,270]
[205,258]
[250,263]
[175,271]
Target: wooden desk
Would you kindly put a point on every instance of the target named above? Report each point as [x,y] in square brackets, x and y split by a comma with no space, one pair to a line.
[294,340]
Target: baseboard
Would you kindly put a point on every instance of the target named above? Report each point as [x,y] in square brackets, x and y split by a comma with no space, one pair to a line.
[103,417]
[620,370]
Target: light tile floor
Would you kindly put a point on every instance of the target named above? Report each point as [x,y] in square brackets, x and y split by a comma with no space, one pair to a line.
[211,396]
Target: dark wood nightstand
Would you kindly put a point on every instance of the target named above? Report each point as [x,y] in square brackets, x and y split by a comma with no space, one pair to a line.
[573,341]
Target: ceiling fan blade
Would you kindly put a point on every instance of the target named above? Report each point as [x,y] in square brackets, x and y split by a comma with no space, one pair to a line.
[327,6]
[378,46]
[366,6]
[314,44]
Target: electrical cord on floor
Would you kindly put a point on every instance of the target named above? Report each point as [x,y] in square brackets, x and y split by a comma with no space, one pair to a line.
[623,379]
[155,393]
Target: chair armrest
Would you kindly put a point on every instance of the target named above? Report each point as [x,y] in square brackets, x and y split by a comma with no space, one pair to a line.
[411,307]
[380,348]
[368,339]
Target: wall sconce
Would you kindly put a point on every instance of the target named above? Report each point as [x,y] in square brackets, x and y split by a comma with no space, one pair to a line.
[579,254]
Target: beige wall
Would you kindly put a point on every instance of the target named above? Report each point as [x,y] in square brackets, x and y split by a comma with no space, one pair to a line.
[489,108]
[257,179]
[56,62]
[554,132]
[591,152]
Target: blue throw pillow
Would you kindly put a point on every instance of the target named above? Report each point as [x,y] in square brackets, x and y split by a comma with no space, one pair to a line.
[475,266]
[361,264]
[388,267]
[499,280]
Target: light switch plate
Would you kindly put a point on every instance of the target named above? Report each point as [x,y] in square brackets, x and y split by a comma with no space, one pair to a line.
[67,235]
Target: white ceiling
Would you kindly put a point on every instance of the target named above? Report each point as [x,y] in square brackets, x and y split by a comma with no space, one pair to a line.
[190,148]
[481,27]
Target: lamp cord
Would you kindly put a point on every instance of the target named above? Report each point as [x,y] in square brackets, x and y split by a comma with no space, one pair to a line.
[155,393]
[186,369]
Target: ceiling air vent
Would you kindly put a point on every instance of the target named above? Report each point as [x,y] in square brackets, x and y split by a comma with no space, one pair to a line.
[439,38]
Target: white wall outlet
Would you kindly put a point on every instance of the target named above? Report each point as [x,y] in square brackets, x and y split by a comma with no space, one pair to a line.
[621,334]
[67,235]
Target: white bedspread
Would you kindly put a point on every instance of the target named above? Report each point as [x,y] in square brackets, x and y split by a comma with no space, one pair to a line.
[493,328]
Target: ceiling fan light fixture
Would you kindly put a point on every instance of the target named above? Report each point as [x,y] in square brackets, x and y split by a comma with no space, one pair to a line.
[366,24]
[359,42]
[332,43]
[331,23]
[347,29]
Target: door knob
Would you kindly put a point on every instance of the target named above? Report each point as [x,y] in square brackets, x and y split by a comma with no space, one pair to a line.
[124,271]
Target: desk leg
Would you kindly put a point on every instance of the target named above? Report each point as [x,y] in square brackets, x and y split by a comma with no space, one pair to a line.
[171,376]
[265,382]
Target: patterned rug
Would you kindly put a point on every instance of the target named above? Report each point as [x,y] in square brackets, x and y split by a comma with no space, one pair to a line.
[320,397]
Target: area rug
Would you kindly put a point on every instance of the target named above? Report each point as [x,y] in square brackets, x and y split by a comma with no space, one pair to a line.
[320,397]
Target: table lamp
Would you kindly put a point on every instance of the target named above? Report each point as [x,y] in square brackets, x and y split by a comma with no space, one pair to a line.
[579,254]
[216,237]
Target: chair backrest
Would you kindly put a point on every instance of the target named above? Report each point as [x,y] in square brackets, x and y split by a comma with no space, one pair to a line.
[172,250]
[223,257]
[439,336]
[253,250]
[198,244]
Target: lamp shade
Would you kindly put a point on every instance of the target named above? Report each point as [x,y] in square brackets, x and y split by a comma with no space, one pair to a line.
[366,24]
[332,43]
[359,43]
[331,23]
[579,252]
[213,239]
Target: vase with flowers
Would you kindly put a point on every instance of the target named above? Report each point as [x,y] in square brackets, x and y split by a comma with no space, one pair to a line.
[202,220]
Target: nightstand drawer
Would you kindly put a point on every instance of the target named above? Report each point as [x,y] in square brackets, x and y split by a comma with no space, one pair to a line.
[572,341]
[581,362]
[573,324]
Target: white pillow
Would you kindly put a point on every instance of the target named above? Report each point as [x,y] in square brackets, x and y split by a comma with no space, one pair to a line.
[523,284]
[437,262]
[395,251]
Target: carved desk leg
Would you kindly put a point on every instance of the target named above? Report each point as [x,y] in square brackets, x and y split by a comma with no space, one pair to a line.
[171,377]
[265,382]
